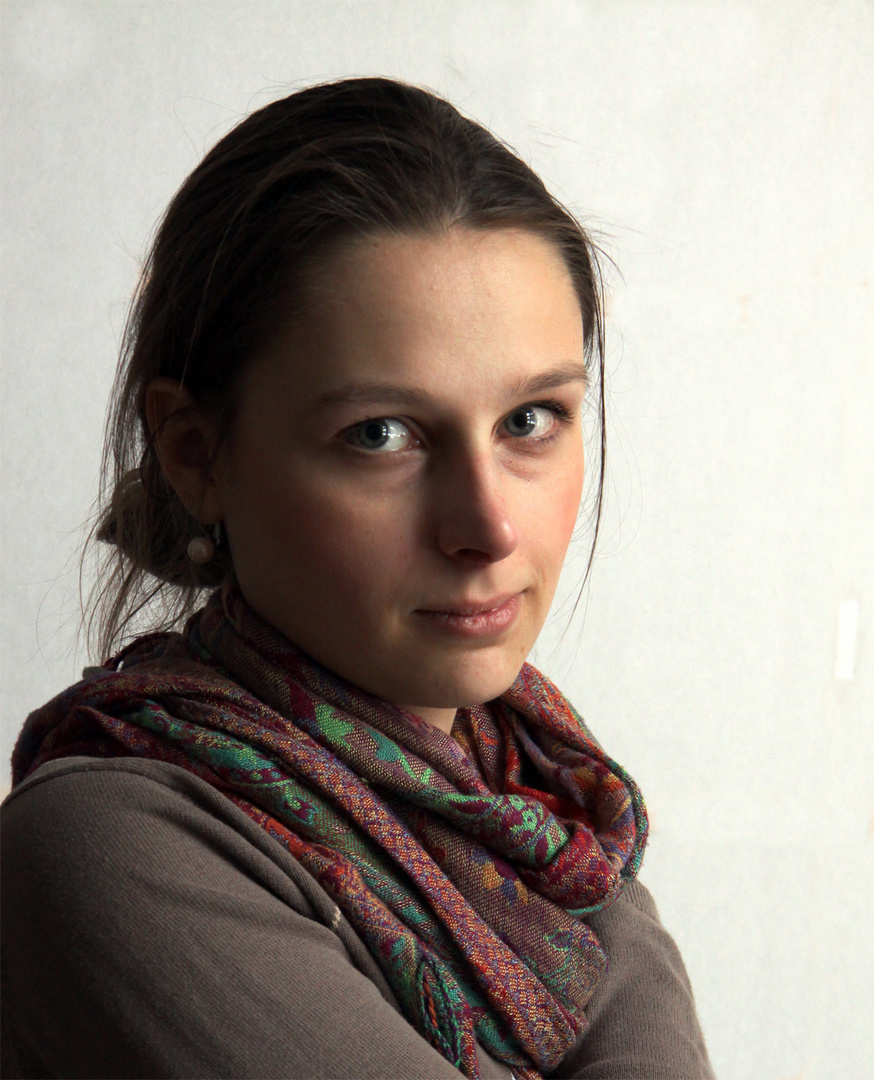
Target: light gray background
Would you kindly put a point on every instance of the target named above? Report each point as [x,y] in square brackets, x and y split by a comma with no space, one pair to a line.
[726,149]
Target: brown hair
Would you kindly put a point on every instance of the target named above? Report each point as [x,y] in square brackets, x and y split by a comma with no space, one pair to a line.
[270,200]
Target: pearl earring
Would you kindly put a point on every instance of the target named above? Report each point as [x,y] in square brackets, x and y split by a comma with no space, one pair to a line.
[201,549]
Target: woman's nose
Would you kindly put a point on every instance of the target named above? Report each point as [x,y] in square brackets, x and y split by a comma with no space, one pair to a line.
[474,522]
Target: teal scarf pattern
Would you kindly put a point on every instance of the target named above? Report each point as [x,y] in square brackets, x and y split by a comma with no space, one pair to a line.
[467,863]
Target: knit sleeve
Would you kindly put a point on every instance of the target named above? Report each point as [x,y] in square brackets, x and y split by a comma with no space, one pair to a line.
[642,1019]
[151,930]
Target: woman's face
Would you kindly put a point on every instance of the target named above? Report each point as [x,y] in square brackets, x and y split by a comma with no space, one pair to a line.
[407,464]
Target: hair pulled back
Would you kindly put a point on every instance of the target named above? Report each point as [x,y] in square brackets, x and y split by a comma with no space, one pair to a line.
[231,258]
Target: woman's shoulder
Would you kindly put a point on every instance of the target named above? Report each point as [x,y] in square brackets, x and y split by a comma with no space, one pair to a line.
[114,813]
[150,928]
[100,831]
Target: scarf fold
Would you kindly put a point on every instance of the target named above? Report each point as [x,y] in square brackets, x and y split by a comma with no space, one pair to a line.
[464,862]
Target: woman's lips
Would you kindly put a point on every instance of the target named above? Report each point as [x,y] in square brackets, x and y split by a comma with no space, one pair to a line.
[475,620]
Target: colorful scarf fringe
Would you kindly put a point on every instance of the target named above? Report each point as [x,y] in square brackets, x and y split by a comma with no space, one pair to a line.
[465,863]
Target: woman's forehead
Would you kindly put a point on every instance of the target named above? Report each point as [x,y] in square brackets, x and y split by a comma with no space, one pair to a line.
[402,315]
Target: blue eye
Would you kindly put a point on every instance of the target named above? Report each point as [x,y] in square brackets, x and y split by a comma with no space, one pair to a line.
[530,420]
[380,435]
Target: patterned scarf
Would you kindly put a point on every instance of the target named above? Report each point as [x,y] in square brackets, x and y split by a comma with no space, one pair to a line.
[464,862]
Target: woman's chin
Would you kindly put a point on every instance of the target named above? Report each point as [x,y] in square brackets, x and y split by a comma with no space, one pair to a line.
[456,689]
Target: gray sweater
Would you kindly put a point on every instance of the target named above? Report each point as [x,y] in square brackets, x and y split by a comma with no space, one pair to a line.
[151,929]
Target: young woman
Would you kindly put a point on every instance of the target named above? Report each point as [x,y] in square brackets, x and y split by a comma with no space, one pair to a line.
[337,826]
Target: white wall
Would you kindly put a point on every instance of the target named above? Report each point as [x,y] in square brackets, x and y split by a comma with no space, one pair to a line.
[727,149]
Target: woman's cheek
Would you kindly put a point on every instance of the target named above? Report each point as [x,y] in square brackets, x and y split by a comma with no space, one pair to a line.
[563,498]
[340,536]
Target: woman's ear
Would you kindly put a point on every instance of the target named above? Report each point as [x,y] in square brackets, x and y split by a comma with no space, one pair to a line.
[184,441]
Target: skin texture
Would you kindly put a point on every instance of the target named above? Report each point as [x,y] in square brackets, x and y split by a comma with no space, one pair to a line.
[371,524]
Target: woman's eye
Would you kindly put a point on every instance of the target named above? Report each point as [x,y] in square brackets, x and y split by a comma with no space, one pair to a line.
[531,420]
[382,435]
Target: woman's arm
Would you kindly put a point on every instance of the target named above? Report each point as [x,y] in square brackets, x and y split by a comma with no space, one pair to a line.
[642,1020]
[150,929]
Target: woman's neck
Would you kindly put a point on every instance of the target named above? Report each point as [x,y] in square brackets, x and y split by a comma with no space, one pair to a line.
[440,718]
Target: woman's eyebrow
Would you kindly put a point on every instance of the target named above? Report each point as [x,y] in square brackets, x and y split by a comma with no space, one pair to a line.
[397,394]
[358,392]
[551,380]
